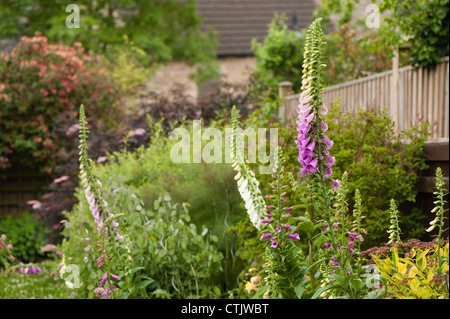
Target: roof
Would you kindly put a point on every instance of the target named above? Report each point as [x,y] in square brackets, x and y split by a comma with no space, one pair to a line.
[240,21]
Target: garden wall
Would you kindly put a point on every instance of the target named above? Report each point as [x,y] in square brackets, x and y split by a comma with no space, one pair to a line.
[19,185]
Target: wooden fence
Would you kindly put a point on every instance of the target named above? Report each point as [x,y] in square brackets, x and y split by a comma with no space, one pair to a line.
[410,96]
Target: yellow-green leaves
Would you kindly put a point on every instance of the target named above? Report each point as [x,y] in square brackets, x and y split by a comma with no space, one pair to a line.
[414,276]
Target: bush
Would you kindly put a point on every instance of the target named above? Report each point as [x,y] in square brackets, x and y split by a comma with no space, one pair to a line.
[365,145]
[27,236]
[133,184]
[40,83]
[412,270]
[279,59]
[162,254]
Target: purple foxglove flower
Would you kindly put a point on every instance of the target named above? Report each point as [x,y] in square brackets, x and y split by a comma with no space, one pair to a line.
[287,215]
[352,236]
[278,228]
[266,221]
[106,293]
[328,245]
[287,226]
[264,236]
[274,244]
[282,200]
[334,261]
[294,236]
[335,184]
[269,207]
[288,209]
[102,282]
[269,215]
[115,277]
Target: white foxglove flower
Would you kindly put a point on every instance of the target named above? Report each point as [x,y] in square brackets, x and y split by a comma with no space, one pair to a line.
[246,181]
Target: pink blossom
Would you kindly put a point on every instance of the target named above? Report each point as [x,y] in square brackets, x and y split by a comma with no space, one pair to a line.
[137,132]
[115,277]
[61,179]
[102,159]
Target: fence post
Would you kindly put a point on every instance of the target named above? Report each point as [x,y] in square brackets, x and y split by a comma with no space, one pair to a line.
[394,108]
[284,89]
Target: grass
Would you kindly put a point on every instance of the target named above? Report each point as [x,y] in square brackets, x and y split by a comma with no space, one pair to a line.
[41,286]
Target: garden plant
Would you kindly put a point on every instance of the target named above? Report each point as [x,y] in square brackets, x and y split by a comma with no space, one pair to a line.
[144,227]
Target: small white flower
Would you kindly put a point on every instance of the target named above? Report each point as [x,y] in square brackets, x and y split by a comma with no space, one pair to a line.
[430,228]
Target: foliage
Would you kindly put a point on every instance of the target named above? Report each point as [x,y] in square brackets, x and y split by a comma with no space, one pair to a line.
[283,276]
[394,229]
[418,276]
[45,285]
[132,182]
[366,146]
[39,84]
[349,56]
[279,58]
[163,30]
[26,235]
[422,25]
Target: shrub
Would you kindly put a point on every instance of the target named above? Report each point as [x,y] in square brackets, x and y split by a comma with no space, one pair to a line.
[365,146]
[416,273]
[26,235]
[153,254]
[279,58]
[39,83]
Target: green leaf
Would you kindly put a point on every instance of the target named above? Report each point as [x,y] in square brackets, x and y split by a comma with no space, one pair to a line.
[260,292]
[323,289]
[355,283]
[306,226]
[144,283]
[299,291]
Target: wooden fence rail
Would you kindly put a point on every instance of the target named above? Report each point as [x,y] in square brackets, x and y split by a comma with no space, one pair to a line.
[410,96]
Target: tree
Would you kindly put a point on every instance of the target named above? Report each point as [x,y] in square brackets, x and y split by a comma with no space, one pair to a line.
[423,25]
[162,29]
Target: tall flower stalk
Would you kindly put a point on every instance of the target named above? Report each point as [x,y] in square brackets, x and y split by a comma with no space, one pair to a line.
[440,210]
[103,218]
[394,230]
[281,253]
[315,160]
[247,183]
[312,142]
